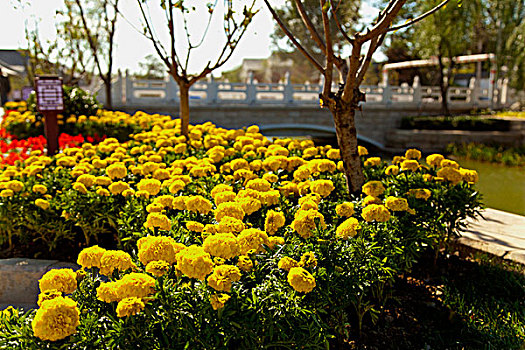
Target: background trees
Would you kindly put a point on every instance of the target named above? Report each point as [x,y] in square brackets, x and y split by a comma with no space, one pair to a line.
[345,101]
[176,55]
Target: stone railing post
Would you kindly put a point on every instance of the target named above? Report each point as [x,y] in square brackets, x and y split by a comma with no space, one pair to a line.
[251,95]
[171,90]
[212,91]
[387,95]
[417,94]
[116,88]
[288,89]
[475,92]
[128,91]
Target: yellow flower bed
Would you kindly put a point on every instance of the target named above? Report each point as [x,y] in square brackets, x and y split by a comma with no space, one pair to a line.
[219,228]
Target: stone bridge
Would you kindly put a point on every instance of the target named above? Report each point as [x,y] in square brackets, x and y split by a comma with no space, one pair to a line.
[293,109]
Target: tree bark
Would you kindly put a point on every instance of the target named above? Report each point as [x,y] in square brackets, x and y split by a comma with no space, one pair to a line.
[184,107]
[443,86]
[344,120]
[107,89]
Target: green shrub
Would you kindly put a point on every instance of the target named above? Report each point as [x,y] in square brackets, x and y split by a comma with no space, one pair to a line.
[470,123]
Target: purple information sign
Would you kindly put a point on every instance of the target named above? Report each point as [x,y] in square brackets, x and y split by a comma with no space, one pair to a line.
[49,94]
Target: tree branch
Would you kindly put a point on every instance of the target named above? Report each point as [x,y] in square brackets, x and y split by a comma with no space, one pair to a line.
[374,44]
[329,51]
[290,36]
[383,24]
[309,25]
[419,18]
[338,24]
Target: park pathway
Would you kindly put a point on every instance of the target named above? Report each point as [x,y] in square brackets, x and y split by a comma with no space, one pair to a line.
[498,233]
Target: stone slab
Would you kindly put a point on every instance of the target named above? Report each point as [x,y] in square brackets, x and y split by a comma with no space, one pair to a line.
[497,232]
[19,280]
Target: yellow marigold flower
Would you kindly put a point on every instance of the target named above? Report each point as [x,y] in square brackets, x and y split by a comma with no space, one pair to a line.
[77,186]
[469,175]
[56,319]
[62,280]
[304,222]
[302,173]
[176,186]
[245,263]
[375,212]
[233,210]
[310,152]
[129,306]
[154,208]
[450,174]
[194,226]
[275,241]
[135,284]
[102,192]
[309,204]
[251,238]
[224,245]
[371,200]
[224,197]
[108,292]
[87,180]
[392,170]
[115,260]
[301,280]
[286,263]
[153,248]
[42,203]
[158,268]
[373,161]
[270,177]
[127,193]
[333,154]
[6,193]
[308,259]
[274,221]
[152,186]
[269,198]
[116,171]
[420,193]
[218,301]
[322,166]
[102,181]
[15,185]
[158,220]
[373,188]
[413,154]
[48,295]
[345,209]
[222,277]
[90,257]
[434,160]
[39,189]
[118,187]
[221,188]
[198,204]
[447,163]
[260,185]
[229,225]
[194,262]
[348,228]
[362,151]
[289,189]
[396,204]
[322,187]
[410,165]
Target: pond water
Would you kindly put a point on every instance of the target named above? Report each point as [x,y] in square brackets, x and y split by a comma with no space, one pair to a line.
[502,187]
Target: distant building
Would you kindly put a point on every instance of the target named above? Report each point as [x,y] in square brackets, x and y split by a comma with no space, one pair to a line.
[269,70]
[13,62]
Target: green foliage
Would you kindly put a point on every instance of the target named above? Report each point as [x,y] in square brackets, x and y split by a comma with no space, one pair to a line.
[76,102]
[513,156]
[463,122]
[353,276]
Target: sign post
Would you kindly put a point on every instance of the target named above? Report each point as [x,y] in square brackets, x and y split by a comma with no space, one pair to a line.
[50,102]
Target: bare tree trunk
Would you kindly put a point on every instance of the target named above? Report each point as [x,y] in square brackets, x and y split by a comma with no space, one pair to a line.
[443,87]
[184,107]
[344,120]
[107,88]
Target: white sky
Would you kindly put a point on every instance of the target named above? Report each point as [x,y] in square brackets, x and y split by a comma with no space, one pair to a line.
[131,46]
